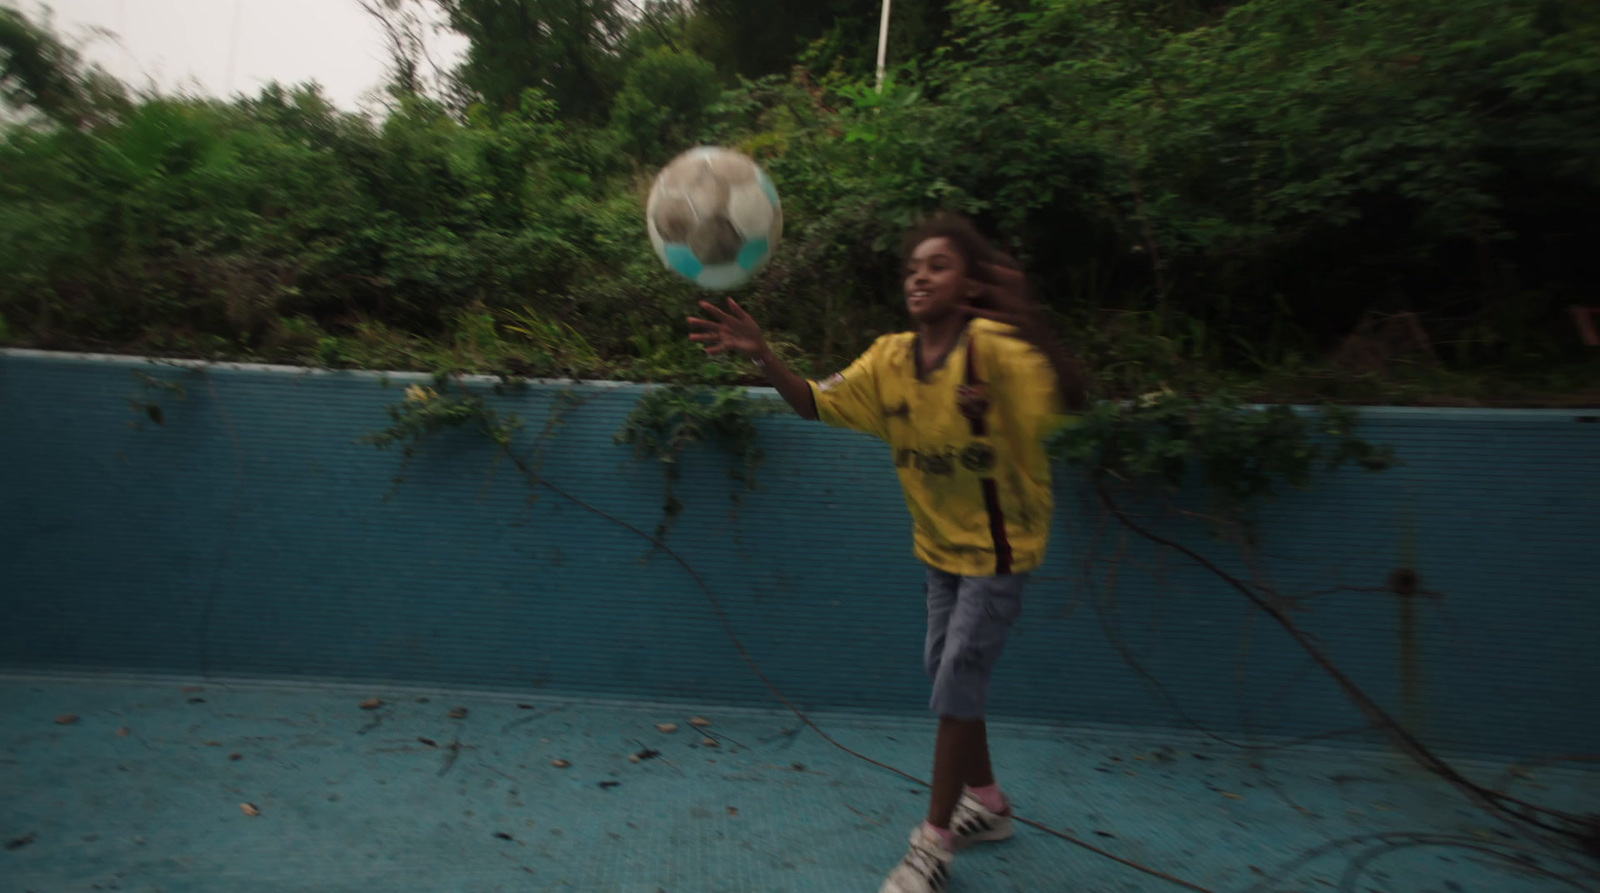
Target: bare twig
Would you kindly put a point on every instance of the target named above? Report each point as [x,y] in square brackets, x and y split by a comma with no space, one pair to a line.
[1581,831]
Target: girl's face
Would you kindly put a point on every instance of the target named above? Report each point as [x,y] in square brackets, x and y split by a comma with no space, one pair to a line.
[936,283]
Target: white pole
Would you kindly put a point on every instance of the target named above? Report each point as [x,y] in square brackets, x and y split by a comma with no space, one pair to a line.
[883,43]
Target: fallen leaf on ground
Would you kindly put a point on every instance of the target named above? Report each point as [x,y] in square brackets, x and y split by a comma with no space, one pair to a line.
[700,722]
[124,732]
[429,741]
[1231,796]
[236,756]
[733,810]
[458,713]
[372,703]
[66,719]
[525,707]
[560,764]
[249,809]
[20,842]
[502,835]
[667,728]
[607,785]
[708,742]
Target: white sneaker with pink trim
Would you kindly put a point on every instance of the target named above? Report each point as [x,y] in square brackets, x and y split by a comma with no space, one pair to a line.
[925,868]
[973,822]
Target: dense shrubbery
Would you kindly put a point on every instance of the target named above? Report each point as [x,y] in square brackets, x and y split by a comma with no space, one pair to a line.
[1346,200]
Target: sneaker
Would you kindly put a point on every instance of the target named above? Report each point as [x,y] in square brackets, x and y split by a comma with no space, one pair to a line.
[973,822]
[926,867]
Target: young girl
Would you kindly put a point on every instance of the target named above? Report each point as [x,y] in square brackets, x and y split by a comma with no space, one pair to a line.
[966,402]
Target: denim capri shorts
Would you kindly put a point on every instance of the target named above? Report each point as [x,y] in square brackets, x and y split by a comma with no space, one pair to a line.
[968,621]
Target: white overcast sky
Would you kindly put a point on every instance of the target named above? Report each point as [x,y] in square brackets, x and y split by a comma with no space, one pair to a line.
[224,47]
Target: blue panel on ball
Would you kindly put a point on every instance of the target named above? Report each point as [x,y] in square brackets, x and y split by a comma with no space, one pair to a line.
[768,188]
[754,253]
[680,258]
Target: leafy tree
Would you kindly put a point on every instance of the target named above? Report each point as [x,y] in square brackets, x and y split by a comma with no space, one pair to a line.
[1371,199]
[1274,161]
[663,103]
[563,48]
[39,72]
[754,38]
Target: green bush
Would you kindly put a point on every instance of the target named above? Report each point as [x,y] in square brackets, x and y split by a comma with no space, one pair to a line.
[1365,200]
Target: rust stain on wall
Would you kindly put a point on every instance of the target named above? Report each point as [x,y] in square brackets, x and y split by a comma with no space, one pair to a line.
[1404,582]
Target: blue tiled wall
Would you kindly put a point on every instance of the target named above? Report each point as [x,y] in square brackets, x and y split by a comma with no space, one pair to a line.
[252,535]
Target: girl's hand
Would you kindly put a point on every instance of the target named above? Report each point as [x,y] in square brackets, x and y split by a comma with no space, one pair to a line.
[730,329]
[1007,298]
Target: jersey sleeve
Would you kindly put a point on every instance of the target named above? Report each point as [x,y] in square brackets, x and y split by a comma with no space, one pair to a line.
[850,399]
[1029,394]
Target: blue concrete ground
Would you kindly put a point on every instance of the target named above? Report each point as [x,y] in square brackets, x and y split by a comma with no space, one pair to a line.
[143,792]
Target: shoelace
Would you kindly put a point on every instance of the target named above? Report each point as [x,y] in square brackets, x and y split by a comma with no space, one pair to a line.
[925,863]
[968,820]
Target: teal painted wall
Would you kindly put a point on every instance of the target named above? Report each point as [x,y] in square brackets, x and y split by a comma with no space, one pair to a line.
[251,535]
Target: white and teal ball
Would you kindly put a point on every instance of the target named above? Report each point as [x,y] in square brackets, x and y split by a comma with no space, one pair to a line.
[714,217]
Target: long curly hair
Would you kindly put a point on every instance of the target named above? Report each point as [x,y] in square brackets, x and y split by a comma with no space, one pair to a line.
[976,253]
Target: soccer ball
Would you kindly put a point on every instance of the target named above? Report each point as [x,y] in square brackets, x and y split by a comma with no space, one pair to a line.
[714,217]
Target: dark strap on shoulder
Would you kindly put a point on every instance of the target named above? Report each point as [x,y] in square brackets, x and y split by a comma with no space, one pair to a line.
[979,428]
[991,493]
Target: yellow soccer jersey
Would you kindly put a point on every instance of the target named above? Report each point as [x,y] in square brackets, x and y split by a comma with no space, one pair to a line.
[978,488]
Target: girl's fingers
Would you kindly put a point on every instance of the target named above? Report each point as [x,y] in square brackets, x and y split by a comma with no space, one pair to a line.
[696,321]
[705,336]
[1008,286]
[1008,274]
[739,311]
[1010,292]
[716,312]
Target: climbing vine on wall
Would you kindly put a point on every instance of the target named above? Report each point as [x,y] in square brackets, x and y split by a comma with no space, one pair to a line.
[146,400]
[667,420]
[1240,452]
[1147,450]
[446,403]
[663,423]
